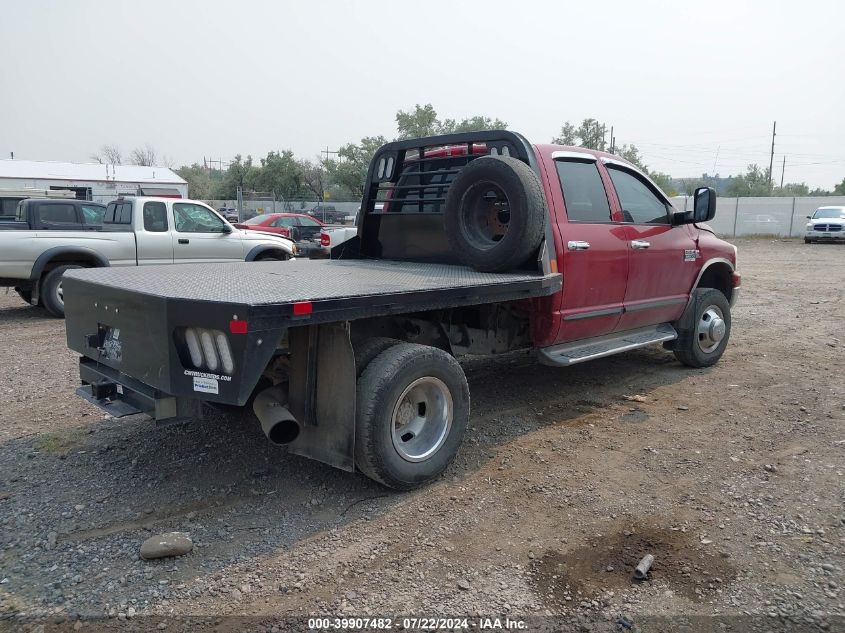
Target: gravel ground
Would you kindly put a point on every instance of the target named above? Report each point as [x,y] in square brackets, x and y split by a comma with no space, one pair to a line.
[731,476]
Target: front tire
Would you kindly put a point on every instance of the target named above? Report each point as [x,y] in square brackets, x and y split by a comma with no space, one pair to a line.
[52,293]
[413,408]
[807,240]
[704,343]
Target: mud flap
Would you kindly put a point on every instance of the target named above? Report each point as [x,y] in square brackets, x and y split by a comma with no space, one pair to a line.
[687,321]
[322,393]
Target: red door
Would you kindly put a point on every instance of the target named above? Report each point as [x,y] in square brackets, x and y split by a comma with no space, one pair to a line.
[594,257]
[662,259]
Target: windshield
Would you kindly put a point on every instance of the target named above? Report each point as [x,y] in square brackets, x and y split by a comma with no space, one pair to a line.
[829,213]
[258,219]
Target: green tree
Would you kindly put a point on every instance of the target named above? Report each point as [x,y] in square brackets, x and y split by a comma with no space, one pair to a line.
[240,173]
[838,190]
[632,155]
[590,134]
[315,178]
[473,124]
[664,181]
[691,184]
[200,186]
[349,171]
[567,135]
[792,189]
[754,182]
[423,121]
[279,174]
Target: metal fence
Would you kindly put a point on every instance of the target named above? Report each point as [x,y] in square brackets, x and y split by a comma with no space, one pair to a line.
[782,217]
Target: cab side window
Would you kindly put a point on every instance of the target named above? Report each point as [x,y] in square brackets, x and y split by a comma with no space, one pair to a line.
[193,218]
[58,214]
[155,217]
[640,203]
[92,214]
[583,191]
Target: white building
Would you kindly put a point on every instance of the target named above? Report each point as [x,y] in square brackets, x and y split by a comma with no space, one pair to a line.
[91,181]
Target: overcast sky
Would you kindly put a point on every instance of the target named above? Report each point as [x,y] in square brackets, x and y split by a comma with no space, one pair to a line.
[216,78]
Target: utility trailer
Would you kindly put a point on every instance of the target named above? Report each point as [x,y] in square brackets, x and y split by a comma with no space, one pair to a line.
[351,361]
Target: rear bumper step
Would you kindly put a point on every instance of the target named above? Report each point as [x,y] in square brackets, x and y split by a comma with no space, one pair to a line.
[120,395]
[589,349]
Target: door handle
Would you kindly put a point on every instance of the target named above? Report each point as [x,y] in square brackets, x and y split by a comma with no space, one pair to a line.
[183,240]
[577,245]
[640,244]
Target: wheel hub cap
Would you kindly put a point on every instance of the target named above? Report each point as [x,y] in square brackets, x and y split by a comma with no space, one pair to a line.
[422,419]
[711,329]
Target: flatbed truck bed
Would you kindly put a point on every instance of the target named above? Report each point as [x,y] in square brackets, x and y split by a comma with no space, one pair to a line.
[337,290]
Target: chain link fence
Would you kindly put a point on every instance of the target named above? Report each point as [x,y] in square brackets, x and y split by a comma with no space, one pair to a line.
[781,217]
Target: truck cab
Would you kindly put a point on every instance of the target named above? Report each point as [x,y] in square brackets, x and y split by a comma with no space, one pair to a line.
[629,258]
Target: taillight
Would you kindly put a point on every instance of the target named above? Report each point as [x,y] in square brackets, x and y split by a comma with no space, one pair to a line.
[209,350]
[284,231]
[324,239]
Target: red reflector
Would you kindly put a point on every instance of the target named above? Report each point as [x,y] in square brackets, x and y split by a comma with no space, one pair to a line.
[238,327]
[303,307]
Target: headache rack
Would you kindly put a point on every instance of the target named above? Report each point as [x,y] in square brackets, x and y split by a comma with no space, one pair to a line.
[407,184]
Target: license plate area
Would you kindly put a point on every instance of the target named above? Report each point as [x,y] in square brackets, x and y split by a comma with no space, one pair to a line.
[107,343]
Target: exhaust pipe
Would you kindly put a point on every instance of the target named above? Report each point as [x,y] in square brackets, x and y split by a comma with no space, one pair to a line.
[277,422]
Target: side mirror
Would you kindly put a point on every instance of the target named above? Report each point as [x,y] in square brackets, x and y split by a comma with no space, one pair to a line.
[809,217]
[227,228]
[704,204]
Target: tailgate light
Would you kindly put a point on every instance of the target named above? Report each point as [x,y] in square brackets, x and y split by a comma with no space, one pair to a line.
[302,308]
[194,348]
[324,239]
[238,326]
[210,349]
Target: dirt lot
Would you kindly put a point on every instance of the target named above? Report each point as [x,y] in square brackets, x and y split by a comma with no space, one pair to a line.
[732,477]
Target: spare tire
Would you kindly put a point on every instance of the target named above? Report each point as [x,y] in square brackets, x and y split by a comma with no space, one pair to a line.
[495,213]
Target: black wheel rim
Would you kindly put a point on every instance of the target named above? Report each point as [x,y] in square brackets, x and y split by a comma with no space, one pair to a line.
[485,215]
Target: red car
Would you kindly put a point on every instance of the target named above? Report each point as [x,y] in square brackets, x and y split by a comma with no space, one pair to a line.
[294,226]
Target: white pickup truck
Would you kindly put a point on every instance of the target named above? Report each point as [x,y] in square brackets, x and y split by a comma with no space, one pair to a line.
[49,237]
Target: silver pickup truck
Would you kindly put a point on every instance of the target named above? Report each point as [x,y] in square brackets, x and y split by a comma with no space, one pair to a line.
[49,237]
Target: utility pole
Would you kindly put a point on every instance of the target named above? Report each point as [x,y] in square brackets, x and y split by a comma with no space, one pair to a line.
[772,155]
[612,141]
[327,151]
[782,170]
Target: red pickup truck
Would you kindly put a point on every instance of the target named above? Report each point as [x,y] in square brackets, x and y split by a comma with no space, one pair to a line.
[476,243]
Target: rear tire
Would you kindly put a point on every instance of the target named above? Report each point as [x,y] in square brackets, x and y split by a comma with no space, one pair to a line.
[52,294]
[367,349]
[808,240]
[704,344]
[495,213]
[413,408]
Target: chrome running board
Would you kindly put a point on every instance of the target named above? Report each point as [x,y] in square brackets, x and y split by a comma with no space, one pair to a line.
[588,349]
